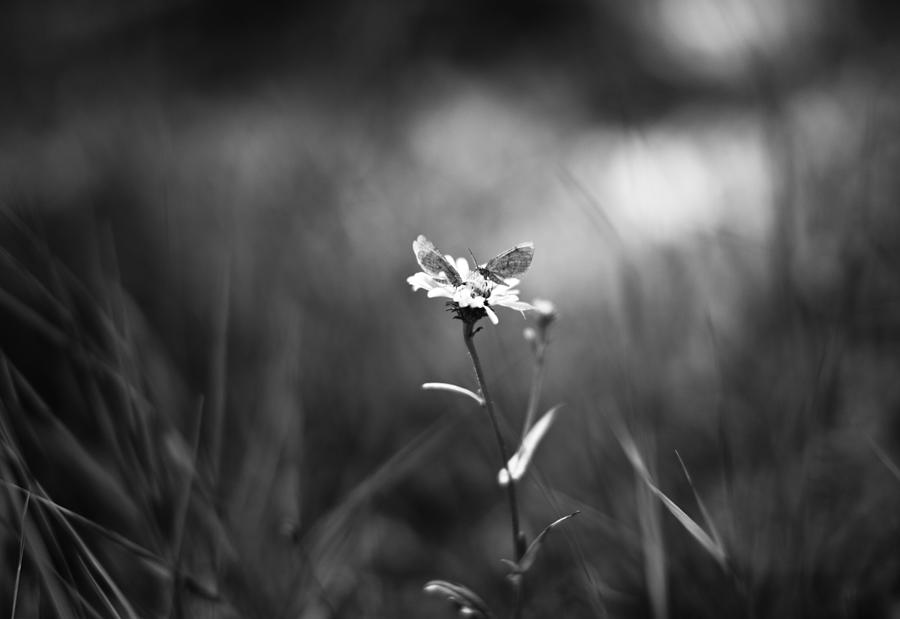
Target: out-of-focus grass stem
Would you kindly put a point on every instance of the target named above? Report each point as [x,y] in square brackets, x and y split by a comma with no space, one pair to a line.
[15,599]
[537,383]
[215,399]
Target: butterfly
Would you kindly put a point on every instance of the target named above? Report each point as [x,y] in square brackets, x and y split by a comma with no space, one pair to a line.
[510,263]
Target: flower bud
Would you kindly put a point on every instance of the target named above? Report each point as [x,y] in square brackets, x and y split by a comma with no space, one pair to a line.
[546,312]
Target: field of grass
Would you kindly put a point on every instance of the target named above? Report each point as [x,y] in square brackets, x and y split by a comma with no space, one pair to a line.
[211,361]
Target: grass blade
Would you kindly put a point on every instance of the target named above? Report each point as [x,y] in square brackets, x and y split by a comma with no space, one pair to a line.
[15,600]
[712,546]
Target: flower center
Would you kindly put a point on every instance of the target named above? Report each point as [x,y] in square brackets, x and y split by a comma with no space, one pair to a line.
[480,285]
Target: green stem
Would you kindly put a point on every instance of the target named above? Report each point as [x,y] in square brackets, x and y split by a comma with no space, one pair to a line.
[518,538]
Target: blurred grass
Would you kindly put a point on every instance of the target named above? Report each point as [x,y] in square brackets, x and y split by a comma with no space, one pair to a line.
[209,364]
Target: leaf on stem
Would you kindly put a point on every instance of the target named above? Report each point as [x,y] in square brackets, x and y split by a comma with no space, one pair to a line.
[454,389]
[527,560]
[466,601]
[518,464]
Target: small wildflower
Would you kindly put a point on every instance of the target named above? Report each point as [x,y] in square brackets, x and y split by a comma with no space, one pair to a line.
[472,292]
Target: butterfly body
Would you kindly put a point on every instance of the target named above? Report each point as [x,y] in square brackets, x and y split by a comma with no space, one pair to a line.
[488,276]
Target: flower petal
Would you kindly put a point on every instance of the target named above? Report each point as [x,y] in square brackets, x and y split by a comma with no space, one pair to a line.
[421,281]
[462,267]
[519,306]
[440,291]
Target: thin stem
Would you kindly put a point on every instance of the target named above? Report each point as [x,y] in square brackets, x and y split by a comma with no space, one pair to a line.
[537,382]
[518,538]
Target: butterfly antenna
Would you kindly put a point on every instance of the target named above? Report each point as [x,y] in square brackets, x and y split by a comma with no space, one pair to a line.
[471,253]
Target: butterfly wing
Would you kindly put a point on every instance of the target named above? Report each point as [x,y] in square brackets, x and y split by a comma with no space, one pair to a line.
[433,263]
[513,262]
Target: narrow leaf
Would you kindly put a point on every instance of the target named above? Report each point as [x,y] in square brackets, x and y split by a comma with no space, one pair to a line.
[520,460]
[717,552]
[531,554]
[466,601]
[454,389]
[631,452]
[706,516]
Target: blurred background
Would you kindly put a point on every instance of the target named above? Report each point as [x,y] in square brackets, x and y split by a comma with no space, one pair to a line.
[210,361]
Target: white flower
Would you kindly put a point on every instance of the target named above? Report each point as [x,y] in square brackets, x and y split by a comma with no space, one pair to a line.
[476,291]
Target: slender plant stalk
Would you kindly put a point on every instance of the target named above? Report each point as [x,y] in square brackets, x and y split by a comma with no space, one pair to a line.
[537,382]
[518,539]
